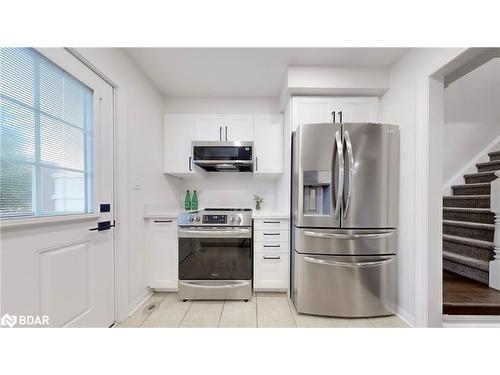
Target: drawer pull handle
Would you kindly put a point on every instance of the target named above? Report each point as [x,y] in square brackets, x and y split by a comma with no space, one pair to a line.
[271,222]
[346,264]
[272,245]
[163,221]
[275,258]
[271,234]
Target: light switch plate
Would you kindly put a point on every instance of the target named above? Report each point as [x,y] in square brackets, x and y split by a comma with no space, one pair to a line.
[137,184]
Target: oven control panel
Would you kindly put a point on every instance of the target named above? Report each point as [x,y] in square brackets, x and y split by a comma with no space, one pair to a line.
[214,219]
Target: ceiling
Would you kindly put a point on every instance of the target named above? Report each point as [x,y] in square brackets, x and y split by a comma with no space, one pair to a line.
[243,72]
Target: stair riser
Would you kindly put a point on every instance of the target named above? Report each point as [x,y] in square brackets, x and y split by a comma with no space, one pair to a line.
[467,232]
[468,250]
[467,202]
[474,190]
[473,217]
[479,179]
[486,168]
[495,157]
[469,272]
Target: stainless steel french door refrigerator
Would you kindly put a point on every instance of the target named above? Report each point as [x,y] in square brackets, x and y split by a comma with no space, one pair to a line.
[345,180]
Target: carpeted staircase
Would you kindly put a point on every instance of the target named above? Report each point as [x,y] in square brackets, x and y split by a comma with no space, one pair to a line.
[468,223]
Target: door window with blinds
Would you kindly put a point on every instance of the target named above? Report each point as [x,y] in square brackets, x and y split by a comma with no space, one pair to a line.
[46,122]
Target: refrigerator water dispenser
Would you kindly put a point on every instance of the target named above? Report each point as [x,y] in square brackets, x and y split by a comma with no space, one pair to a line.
[317,192]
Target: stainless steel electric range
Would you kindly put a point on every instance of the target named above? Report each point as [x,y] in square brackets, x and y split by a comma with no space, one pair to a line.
[215,254]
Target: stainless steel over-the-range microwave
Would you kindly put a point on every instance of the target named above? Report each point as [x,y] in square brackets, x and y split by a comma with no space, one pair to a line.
[215,156]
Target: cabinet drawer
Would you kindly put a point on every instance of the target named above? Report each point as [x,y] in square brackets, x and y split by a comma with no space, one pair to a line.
[271,271]
[270,235]
[271,224]
[271,247]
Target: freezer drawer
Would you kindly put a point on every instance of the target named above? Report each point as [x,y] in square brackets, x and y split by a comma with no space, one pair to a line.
[345,241]
[344,286]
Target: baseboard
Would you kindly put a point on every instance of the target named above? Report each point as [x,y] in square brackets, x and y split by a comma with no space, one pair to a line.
[406,317]
[136,303]
[471,321]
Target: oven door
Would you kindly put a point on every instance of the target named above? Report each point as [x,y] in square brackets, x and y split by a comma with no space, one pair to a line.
[223,253]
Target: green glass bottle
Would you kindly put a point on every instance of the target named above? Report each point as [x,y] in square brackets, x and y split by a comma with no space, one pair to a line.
[194,201]
[187,201]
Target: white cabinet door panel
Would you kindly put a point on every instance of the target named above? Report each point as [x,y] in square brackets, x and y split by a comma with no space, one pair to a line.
[209,127]
[178,133]
[163,254]
[238,128]
[270,271]
[268,144]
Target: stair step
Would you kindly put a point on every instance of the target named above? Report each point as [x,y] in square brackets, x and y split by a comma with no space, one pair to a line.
[488,166]
[474,178]
[494,156]
[471,201]
[466,271]
[475,250]
[477,231]
[463,296]
[473,215]
[467,260]
[483,188]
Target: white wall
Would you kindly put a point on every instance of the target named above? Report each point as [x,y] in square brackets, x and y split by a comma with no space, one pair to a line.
[471,116]
[233,189]
[139,130]
[400,105]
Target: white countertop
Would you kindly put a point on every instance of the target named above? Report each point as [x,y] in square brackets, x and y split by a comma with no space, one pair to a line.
[169,212]
[270,215]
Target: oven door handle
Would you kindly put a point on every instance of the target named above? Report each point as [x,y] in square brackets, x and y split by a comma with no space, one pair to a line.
[219,233]
[231,284]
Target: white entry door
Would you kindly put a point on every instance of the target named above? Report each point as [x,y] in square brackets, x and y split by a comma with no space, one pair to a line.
[57,169]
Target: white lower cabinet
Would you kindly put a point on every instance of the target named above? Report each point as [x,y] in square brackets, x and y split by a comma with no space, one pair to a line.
[271,272]
[271,255]
[163,254]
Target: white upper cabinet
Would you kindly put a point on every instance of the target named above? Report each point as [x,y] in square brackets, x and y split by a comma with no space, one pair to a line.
[209,127]
[268,152]
[224,128]
[239,128]
[309,110]
[178,133]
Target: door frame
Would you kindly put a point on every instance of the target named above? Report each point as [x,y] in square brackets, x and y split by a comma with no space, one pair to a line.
[428,201]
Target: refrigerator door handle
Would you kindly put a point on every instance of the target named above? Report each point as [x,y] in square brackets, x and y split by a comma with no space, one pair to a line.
[347,264]
[350,158]
[340,181]
[348,236]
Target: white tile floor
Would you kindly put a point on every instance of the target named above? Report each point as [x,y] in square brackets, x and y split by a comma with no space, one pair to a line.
[270,310]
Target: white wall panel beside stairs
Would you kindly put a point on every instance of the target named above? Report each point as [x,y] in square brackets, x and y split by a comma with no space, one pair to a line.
[494,280]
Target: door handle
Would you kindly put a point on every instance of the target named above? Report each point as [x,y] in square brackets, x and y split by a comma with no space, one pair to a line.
[340,181]
[347,264]
[268,257]
[226,133]
[190,164]
[256,164]
[103,225]
[333,114]
[340,116]
[341,236]
[350,158]
[220,133]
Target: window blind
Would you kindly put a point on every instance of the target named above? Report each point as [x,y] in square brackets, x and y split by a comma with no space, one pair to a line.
[45,137]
